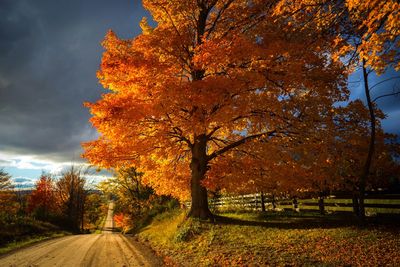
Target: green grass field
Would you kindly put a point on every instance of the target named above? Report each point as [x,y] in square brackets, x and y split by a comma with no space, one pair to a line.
[277,239]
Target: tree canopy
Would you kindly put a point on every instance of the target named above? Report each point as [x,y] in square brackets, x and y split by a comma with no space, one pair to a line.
[215,90]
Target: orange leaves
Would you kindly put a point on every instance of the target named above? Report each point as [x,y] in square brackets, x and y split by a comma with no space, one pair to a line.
[43,198]
[220,69]
[144,25]
[217,53]
[371,28]
[123,221]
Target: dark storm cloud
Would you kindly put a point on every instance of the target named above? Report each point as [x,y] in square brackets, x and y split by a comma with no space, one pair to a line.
[49,54]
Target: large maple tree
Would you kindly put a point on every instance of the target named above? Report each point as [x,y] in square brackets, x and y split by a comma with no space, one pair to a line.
[214,79]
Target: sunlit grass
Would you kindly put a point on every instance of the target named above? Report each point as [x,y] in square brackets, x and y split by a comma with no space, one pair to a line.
[164,227]
[272,239]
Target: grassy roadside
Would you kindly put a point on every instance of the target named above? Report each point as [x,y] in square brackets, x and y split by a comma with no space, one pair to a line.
[254,239]
[25,231]
[30,240]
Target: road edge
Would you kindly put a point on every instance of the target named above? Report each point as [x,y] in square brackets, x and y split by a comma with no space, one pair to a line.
[32,242]
[146,250]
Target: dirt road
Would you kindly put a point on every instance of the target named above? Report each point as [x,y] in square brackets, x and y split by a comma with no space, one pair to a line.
[106,249]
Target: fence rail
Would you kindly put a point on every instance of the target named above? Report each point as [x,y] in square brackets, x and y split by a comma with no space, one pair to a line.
[373,203]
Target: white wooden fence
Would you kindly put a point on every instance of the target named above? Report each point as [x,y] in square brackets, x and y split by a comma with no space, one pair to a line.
[253,202]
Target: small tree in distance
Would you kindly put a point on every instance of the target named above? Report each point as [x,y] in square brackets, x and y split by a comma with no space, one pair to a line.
[5,181]
[42,202]
[8,204]
[72,196]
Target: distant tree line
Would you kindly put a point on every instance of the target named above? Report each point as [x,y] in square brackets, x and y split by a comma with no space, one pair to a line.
[65,201]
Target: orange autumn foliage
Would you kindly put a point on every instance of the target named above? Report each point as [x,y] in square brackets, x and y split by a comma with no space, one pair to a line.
[123,221]
[43,200]
[367,28]
[213,80]
[378,24]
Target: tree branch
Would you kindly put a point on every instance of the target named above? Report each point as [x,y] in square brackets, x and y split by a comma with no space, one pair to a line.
[238,142]
[391,94]
[219,14]
[386,80]
[213,131]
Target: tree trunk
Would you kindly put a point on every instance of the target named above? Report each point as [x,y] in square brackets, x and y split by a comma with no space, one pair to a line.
[199,208]
[356,206]
[368,162]
[361,211]
[295,204]
[262,202]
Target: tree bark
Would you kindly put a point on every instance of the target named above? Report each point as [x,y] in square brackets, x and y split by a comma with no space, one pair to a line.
[368,162]
[199,208]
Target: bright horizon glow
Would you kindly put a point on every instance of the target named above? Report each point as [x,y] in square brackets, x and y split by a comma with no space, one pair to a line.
[25,170]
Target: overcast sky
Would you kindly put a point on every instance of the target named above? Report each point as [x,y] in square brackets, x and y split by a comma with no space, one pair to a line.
[49,54]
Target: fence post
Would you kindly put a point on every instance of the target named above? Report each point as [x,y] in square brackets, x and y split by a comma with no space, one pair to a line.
[262,202]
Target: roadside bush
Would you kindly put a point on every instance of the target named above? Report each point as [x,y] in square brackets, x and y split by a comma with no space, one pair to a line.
[188,229]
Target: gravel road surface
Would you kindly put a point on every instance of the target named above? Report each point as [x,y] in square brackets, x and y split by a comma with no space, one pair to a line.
[106,249]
